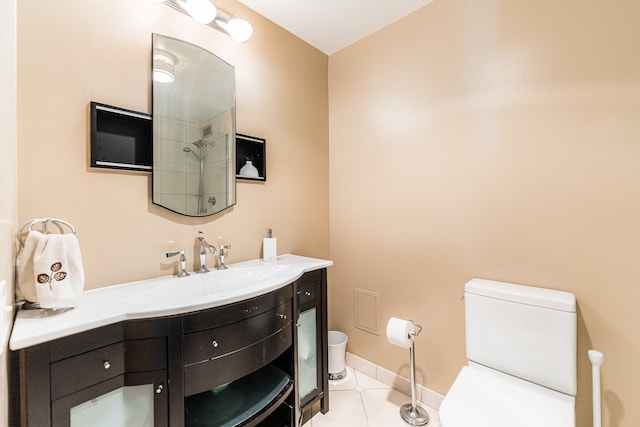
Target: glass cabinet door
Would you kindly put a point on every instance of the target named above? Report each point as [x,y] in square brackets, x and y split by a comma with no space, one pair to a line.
[125,406]
[308,370]
[130,400]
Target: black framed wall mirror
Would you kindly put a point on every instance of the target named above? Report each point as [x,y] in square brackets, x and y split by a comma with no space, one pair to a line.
[194,126]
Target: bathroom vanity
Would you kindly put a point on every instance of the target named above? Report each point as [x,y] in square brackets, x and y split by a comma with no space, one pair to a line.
[245,348]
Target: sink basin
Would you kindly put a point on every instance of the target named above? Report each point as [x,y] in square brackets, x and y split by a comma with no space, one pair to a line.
[217,283]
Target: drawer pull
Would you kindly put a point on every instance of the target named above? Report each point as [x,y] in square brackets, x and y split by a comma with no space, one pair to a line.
[215,344]
[106,364]
[281,316]
[250,309]
[307,293]
[159,389]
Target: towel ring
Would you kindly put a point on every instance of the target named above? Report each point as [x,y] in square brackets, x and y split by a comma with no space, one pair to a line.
[44,221]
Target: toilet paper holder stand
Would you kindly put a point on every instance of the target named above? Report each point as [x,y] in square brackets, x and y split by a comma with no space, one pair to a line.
[411,413]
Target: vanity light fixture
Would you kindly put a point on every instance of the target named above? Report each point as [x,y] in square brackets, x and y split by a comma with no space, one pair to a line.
[205,12]
[164,67]
[202,11]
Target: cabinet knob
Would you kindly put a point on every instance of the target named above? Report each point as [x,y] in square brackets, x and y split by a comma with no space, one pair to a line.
[159,389]
[281,316]
[215,344]
[307,293]
[106,364]
[250,309]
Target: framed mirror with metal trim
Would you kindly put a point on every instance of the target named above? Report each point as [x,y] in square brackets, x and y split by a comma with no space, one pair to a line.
[194,126]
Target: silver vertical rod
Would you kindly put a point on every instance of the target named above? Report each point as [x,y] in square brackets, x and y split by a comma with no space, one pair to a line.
[412,362]
[411,413]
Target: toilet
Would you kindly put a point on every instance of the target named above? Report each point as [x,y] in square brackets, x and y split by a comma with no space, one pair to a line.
[521,351]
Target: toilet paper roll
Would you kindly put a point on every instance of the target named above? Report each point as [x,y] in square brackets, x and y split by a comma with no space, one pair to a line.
[398,331]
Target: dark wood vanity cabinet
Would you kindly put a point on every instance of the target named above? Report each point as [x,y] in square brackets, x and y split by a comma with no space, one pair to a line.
[49,379]
[185,368]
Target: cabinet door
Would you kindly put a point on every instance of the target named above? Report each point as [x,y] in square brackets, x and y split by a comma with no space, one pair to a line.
[311,341]
[308,357]
[310,344]
[124,401]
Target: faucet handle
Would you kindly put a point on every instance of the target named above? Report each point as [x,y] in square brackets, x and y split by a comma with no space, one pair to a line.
[221,254]
[183,262]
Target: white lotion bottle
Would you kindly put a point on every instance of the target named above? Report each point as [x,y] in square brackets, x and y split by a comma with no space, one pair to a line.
[270,247]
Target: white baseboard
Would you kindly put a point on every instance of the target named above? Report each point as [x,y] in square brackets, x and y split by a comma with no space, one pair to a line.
[423,394]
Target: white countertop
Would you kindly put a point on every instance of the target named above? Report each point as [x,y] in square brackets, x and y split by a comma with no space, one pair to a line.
[162,296]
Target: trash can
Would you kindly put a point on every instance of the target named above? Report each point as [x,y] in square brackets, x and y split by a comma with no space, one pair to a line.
[337,349]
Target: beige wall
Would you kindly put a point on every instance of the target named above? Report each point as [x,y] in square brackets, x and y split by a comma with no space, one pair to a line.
[8,187]
[496,139]
[71,53]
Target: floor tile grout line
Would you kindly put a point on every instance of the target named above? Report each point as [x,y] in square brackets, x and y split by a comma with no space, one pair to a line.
[382,387]
[364,409]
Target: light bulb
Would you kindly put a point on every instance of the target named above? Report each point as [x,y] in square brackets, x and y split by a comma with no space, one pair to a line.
[162,76]
[202,11]
[239,30]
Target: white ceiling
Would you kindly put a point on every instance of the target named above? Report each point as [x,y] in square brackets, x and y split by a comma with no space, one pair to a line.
[331,25]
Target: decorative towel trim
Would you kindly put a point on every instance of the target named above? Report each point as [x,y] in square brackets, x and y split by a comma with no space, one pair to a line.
[49,270]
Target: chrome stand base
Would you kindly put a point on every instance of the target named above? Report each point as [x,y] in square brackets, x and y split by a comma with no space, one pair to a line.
[411,413]
[414,416]
[338,376]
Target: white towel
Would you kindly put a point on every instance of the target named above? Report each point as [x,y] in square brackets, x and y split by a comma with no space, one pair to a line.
[49,270]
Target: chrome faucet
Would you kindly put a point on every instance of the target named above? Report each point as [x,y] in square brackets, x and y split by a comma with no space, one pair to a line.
[203,252]
[221,254]
[182,271]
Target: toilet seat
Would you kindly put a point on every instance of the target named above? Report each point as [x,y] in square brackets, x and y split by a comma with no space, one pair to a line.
[484,397]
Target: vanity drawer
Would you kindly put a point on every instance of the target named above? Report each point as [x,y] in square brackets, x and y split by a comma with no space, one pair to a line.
[231,313]
[311,277]
[96,338]
[207,375]
[309,291]
[78,372]
[216,342]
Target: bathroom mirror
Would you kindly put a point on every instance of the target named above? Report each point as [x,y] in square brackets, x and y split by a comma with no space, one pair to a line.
[194,126]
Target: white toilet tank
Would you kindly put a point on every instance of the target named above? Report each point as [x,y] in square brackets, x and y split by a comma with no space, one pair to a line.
[524,331]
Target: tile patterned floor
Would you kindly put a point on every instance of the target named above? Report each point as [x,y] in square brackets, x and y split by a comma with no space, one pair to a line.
[361,401]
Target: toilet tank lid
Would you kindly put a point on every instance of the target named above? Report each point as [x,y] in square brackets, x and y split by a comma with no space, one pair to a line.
[540,297]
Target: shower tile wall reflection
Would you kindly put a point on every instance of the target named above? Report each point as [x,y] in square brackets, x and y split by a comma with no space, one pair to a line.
[188,152]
